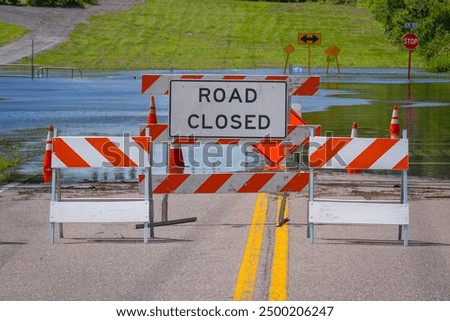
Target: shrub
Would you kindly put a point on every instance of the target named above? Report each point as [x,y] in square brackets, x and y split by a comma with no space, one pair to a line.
[60,3]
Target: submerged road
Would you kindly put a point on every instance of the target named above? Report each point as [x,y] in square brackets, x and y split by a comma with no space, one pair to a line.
[234,251]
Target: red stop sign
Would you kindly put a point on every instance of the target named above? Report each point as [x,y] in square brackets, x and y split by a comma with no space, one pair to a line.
[410,41]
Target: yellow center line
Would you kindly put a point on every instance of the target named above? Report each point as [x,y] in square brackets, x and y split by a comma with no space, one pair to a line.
[246,280]
[278,280]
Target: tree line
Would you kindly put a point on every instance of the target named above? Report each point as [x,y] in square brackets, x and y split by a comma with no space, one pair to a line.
[433,26]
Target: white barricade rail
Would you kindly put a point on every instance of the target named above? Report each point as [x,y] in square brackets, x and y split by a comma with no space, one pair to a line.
[358,154]
[104,152]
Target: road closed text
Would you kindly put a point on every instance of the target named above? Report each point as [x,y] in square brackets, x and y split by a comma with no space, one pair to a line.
[222,121]
[227,108]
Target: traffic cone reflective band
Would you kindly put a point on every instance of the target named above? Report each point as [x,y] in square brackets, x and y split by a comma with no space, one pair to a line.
[47,163]
[152,112]
[354,134]
[394,129]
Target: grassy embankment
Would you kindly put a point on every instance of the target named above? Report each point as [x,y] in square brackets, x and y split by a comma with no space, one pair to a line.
[225,34]
[6,166]
[9,32]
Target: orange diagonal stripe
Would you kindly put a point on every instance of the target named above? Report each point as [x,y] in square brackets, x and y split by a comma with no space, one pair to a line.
[227,141]
[156,130]
[308,88]
[143,142]
[372,153]
[276,77]
[111,152]
[170,184]
[67,155]
[403,164]
[297,183]
[236,77]
[213,183]
[327,151]
[148,81]
[255,183]
[191,77]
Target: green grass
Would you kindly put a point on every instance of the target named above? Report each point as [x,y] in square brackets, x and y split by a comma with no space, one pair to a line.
[10,32]
[223,34]
[6,167]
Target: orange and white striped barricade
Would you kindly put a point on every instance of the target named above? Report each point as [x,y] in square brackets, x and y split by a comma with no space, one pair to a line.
[230,182]
[159,84]
[108,153]
[358,154]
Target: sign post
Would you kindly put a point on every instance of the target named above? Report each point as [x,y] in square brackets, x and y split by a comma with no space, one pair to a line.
[333,51]
[410,42]
[288,49]
[309,39]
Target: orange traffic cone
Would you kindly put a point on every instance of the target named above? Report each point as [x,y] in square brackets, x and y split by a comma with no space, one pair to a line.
[176,156]
[152,112]
[354,134]
[394,129]
[47,163]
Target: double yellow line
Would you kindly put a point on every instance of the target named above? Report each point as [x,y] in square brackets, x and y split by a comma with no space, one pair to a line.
[246,280]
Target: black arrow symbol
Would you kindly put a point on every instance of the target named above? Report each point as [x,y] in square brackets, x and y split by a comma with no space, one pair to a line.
[306,39]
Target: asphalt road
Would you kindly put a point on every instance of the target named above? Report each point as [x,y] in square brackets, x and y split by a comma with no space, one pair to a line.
[202,260]
[49,26]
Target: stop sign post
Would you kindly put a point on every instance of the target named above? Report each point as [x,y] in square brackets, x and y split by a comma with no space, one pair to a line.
[410,41]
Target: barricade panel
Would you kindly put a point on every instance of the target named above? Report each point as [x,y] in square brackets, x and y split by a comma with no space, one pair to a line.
[109,152]
[358,154]
[105,152]
[258,182]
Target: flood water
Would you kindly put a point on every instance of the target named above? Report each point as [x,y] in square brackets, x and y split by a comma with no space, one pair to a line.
[111,104]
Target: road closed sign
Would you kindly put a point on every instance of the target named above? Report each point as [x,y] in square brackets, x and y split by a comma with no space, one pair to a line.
[244,109]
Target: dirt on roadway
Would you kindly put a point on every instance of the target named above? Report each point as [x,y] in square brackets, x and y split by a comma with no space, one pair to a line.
[49,26]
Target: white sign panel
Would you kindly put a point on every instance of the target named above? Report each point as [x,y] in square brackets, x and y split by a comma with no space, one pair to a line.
[246,109]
